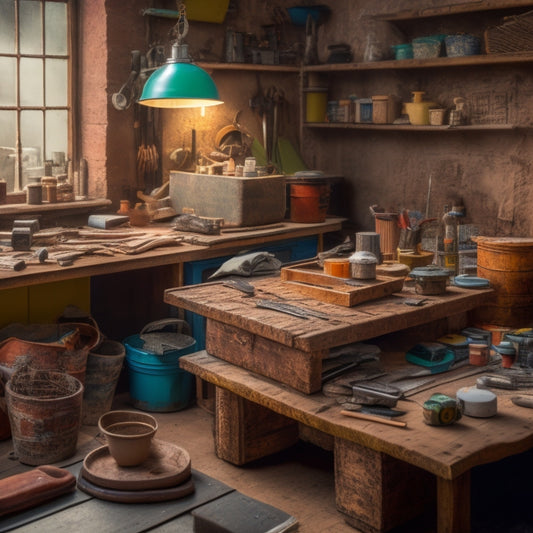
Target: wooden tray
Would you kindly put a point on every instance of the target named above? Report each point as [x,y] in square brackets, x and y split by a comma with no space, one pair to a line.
[309,278]
[166,466]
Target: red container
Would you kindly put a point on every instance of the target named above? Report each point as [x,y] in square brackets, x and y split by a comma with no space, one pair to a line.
[309,202]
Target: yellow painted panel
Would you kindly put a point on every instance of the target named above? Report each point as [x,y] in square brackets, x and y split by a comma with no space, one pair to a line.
[48,301]
[13,306]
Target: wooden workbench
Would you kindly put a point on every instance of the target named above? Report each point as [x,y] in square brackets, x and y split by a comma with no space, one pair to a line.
[264,362]
[194,247]
[381,472]
[136,282]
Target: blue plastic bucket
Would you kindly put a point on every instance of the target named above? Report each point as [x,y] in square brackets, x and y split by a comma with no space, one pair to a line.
[156,382]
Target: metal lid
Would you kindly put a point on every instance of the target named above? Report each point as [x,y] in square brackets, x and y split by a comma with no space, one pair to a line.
[430,271]
[363,258]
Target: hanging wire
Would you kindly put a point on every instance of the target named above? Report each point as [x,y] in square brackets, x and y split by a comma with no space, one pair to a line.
[181,27]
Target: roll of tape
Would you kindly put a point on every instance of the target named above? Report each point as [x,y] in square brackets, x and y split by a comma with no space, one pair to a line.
[337,266]
[479,403]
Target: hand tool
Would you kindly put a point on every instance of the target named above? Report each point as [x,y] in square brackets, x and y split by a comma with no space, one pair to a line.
[377,390]
[9,263]
[38,256]
[240,285]
[441,410]
[523,401]
[374,418]
[498,382]
[290,309]
[379,410]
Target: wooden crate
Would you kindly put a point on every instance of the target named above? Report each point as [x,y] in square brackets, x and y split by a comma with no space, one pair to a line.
[308,278]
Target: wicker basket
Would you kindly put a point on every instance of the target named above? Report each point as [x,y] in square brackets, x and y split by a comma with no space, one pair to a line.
[514,35]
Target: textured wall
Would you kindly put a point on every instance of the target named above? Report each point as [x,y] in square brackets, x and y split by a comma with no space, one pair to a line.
[489,170]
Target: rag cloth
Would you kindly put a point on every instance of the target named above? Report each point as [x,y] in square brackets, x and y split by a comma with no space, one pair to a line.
[252,264]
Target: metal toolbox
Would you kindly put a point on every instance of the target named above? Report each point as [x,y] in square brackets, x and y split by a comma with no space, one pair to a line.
[239,201]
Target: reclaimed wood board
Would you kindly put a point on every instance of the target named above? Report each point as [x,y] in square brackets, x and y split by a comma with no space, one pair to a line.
[310,279]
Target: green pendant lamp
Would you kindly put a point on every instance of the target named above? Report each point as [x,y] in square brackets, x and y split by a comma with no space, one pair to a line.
[180,83]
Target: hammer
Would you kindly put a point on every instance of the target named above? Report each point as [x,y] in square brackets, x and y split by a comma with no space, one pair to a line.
[38,256]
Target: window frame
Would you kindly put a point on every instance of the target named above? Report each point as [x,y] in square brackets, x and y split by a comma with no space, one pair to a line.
[72,104]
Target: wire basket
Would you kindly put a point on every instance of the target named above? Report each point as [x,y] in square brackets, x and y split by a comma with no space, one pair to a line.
[514,35]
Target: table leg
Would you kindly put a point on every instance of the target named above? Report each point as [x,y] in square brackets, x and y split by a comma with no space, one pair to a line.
[377,492]
[245,431]
[453,504]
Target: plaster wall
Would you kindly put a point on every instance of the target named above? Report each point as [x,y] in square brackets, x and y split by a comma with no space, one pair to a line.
[490,171]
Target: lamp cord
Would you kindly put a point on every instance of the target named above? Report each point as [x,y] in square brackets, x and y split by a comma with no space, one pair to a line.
[181,28]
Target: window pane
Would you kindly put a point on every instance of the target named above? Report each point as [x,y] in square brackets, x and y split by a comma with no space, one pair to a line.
[7,147]
[56,74]
[30,27]
[8,66]
[7,26]
[55,18]
[56,132]
[31,82]
[31,133]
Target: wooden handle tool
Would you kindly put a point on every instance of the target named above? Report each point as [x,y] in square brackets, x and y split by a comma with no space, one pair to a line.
[374,418]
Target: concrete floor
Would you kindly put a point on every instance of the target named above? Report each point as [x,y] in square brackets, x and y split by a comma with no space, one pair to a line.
[300,481]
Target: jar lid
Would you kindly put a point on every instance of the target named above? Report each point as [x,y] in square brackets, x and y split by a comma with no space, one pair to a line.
[363,258]
[430,271]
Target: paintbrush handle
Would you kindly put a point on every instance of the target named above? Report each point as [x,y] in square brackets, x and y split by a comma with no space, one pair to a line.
[373,418]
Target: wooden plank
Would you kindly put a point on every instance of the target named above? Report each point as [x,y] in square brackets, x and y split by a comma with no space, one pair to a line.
[447,452]
[454,504]
[298,369]
[108,517]
[377,492]
[245,431]
[345,325]
[309,278]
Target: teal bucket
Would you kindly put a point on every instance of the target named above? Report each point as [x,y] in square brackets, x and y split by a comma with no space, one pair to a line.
[156,381]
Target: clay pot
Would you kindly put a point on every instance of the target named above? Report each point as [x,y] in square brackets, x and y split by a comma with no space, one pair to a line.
[129,435]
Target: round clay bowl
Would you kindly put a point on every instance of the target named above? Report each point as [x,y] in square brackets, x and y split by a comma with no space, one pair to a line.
[129,435]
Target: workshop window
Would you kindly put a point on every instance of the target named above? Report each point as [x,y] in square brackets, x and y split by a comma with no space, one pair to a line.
[35,89]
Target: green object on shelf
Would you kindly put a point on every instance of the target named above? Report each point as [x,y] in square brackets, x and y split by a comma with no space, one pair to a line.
[287,158]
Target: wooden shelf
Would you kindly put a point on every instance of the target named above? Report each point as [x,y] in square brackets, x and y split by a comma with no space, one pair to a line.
[409,127]
[63,207]
[247,66]
[475,6]
[438,62]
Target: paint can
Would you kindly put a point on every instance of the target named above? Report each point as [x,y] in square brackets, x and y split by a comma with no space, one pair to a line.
[34,194]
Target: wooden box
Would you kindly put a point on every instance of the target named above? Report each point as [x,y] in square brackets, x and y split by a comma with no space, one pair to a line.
[239,201]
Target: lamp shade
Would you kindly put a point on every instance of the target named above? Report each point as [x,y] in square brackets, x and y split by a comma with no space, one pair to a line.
[180,84]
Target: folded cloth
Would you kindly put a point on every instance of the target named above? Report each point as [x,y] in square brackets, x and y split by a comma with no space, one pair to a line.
[252,264]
